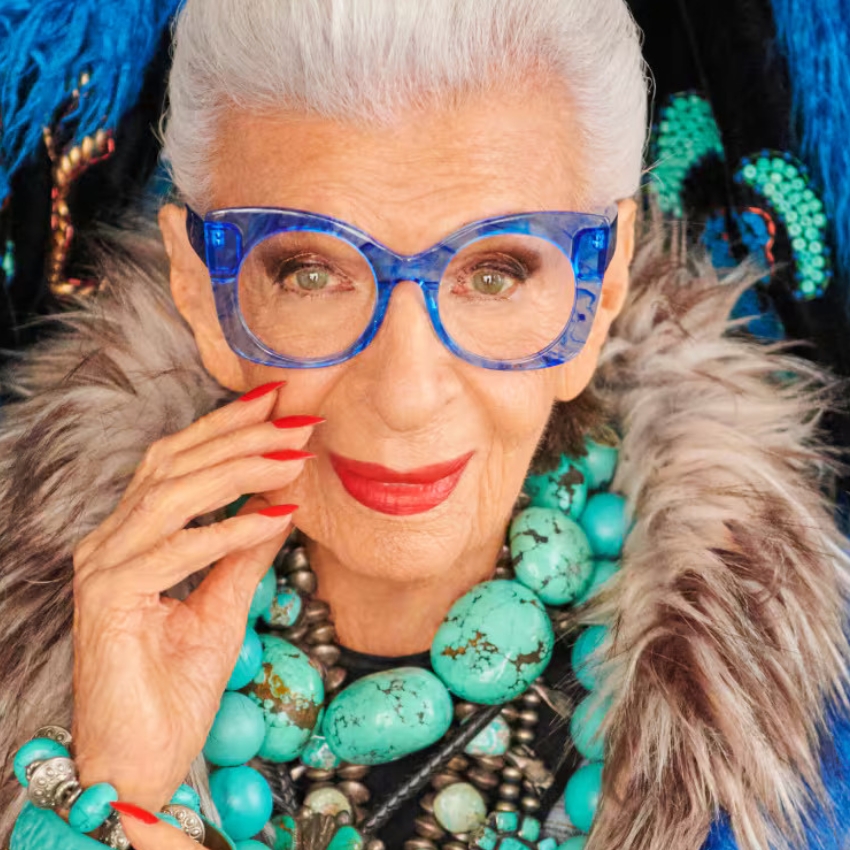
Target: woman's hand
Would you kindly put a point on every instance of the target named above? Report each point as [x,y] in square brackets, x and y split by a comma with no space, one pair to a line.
[149,671]
[146,832]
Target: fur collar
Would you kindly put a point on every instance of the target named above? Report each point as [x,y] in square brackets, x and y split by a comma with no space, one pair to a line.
[728,612]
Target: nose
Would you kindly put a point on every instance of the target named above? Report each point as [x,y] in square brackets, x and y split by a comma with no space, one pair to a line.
[409,376]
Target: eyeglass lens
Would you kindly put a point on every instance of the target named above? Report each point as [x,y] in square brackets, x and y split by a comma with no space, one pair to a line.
[311,295]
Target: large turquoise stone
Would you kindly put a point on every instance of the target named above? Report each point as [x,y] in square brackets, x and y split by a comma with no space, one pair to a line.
[263,595]
[92,807]
[38,749]
[243,799]
[550,554]
[493,740]
[248,663]
[187,796]
[290,691]
[460,808]
[387,715]
[581,796]
[284,610]
[318,755]
[599,464]
[585,658]
[603,571]
[585,725]
[495,641]
[237,732]
[346,838]
[563,489]
[605,524]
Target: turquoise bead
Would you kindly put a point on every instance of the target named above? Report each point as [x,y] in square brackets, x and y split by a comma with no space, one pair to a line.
[585,725]
[511,843]
[187,796]
[493,740]
[263,595]
[169,819]
[460,808]
[487,840]
[387,715]
[43,829]
[290,691]
[507,821]
[604,523]
[587,643]
[563,489]
[346,838]
[284,610]
[599,464]
[495,641]
[243,799]
[551,555]
[318,755]
[38,749]
[602,572]
[237,732]
[285,831]
[547,844]
[577,842]
[248,663]
[581,797]
[530,829]
[92,807]
[250,844]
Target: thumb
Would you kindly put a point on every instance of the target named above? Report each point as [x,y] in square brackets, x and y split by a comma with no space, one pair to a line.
[145,831]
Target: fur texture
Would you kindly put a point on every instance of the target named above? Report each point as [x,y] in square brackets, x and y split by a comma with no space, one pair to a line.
[728,612]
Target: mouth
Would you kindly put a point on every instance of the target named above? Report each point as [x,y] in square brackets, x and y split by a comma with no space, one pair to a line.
[390,491]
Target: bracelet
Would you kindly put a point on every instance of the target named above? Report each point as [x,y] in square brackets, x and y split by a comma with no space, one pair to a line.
[44,766]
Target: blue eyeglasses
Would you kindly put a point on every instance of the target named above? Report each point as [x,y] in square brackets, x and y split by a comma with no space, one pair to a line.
[298,290]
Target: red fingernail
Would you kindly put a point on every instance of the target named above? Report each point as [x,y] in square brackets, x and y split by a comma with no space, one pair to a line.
[278,510]
[298,421]
[289,454]
[136,812]
[262,390]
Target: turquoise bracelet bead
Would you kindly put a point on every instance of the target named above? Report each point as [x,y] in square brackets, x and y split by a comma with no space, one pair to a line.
[248,663]
[243,799]
[547,844]
[38,749]
[43,829]
[460,808]
[585,726]
[289,689]
[529,829]
[599,464]
[507,821]
[346,838]
[563,489]
[603,572]
[550,554]
[318,755]
[585,666]
[495,641]
[237,732]
[577,842]
[385,716]
[493,740]
[263,595]
[92,807]
[284,610]
[187,796]
[604,522]
[581,797]
[250,844]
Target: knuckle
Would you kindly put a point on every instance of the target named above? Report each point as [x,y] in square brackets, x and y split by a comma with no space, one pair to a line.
[156,461]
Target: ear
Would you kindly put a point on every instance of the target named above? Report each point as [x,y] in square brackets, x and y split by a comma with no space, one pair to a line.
[575,375]
[191,290]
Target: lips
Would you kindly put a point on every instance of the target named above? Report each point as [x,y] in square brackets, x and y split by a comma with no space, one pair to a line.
[399,493]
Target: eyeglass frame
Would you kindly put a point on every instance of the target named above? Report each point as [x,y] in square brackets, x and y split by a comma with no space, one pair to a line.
[223,238]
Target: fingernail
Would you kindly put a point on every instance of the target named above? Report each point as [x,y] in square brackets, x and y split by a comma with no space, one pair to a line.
[262,390]
[297,421]
[289,454]
[136,812]
[278,510]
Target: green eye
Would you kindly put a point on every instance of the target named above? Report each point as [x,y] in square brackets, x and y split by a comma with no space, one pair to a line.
[490,281]
[312,278]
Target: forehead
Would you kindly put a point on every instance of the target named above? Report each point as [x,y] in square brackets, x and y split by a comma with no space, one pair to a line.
[413,181]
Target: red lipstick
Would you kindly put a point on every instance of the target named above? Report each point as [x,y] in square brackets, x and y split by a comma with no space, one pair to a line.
[399,493]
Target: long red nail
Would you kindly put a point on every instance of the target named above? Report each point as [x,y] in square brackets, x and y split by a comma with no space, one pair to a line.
[136,812]
[289,454]
[297,421]
[262,390]
[278,510]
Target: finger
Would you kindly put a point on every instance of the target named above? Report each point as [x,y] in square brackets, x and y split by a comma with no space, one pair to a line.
[224,420]
[169,506]
[154,836]
[179,556]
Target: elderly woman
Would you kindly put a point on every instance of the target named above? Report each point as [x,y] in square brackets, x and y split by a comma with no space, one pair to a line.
[384,310]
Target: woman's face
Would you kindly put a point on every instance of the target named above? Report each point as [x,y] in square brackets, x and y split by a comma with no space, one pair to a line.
[406,404]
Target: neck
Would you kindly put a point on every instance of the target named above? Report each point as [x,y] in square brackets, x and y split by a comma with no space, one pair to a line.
[392,618]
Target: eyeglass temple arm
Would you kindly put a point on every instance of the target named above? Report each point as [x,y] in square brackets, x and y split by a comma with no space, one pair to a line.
[195,232]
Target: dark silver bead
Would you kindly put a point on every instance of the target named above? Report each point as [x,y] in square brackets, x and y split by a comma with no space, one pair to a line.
[510,713]
[464,710]
[325,653]
[352,771]
[356,791]
[297,771]
[323,633]
[458,764]
[375,844]
[505,806]
[55,733]
[529,717]
[47,779]
[427,827]
[531,698]
[486,780]
[524,736]
[419,844]
[495,763]
[189,820]
[297,633]
[68,793]
[530,804]
[112,834]
[316,611]
[508,791]
[296,561]
[318,774]
[503,572]
[512,774]
[427,803]
[443,779]
[455,845]
[304,581]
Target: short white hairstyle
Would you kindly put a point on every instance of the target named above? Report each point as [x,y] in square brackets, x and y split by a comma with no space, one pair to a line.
[371,59]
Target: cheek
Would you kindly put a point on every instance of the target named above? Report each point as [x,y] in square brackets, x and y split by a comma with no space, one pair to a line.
[518,407]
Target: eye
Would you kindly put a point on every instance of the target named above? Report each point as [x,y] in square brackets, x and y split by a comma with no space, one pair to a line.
[490,281]
[312,278]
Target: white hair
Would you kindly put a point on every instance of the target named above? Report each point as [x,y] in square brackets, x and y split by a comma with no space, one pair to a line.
[370,59]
